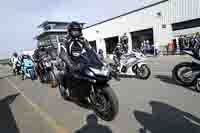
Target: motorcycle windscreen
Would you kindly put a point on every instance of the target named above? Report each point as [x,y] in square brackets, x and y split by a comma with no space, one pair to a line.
[28,62]
[91,58]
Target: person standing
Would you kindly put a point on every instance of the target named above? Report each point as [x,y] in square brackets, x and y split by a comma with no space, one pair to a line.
[156,48]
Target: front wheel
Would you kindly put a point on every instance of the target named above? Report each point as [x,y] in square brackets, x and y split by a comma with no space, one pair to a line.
[143,72]
[181,76]
[106,104]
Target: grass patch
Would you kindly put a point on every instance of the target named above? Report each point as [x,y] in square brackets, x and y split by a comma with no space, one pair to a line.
[4,61]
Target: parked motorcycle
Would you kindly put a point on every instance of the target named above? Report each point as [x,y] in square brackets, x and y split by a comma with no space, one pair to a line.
[133,64]
[186,73]
[91,85]
[28,70]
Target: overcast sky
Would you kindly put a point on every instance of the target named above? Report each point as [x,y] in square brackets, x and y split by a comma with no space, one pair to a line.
[19,18]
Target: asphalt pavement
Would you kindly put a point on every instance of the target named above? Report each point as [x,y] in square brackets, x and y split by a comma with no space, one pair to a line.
[156,105]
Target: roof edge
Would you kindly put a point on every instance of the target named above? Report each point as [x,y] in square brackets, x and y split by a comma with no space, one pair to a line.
[136,10]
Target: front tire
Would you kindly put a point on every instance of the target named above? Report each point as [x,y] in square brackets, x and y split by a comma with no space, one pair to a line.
[142,72]
[107,106]
[177,77]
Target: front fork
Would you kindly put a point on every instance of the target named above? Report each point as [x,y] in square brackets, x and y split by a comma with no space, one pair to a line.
[93,96]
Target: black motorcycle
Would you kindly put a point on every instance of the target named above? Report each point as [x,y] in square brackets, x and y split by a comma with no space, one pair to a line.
[90,84]
[186,73]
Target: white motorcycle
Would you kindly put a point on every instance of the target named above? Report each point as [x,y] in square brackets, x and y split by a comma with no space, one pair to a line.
[132,64]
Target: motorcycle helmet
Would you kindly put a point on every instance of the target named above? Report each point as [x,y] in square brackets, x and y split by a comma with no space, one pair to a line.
[15,54]
[119,45]
[100,51]
[75,29]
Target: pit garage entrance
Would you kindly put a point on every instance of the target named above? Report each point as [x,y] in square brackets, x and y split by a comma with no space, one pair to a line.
[111,43]
[139,37]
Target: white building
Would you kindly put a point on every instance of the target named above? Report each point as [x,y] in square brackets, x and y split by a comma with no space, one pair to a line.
[159,22]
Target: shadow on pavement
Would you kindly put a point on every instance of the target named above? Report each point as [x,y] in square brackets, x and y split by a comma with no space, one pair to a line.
[169,80]
[92,126]
[7,120]
[127,76]
[167,119]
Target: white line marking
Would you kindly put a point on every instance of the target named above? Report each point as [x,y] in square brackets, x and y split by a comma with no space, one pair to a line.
[26,98]
[43,114]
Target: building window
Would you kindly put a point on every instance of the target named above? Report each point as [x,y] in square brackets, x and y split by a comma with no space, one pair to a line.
[164,26]
[48,27]
[111,44]
[186,24]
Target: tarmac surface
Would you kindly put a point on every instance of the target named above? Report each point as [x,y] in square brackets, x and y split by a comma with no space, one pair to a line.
[156,105]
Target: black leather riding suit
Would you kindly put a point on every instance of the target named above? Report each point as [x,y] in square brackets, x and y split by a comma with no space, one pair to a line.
[74,48]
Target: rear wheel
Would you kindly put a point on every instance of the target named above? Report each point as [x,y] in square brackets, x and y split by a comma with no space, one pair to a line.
[106,103]
[182,74]
[143,72]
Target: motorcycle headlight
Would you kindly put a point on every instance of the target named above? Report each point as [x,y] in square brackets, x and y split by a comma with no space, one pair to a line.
[104,71]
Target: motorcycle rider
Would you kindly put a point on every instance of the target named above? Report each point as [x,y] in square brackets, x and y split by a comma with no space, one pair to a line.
[124,42]
[100,54]
[38,56]
[14,60]
[39,52]
[118,52]
[75,45]
[196,45]
[121,48]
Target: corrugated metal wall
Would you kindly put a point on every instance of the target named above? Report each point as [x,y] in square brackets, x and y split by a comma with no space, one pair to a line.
[182,10]
[172,11]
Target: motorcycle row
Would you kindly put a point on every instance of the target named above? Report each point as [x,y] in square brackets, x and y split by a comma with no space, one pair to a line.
[88,87]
